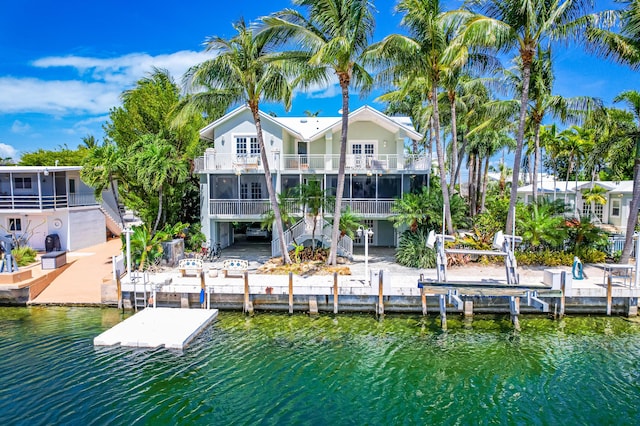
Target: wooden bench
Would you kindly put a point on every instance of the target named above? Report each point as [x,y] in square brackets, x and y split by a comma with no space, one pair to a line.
[185,265]
[234,267]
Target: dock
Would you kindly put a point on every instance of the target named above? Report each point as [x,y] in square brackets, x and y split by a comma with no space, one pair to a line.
[172,328]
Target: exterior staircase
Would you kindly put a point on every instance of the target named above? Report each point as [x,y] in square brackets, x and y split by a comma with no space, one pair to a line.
[302,232]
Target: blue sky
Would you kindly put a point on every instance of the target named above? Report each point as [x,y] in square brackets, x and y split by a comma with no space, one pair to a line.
[65,63]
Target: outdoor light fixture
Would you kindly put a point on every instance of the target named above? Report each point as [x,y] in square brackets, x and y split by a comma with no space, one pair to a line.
[366,232]
[46,172]
[222,141]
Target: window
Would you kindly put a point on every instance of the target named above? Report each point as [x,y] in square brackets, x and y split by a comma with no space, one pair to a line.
[241,146]
[615,208]
[247,145]
[244,191]
[22,182]
[15,224]
[255,147]
[256,191]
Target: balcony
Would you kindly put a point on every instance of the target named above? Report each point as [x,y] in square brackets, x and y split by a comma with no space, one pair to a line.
[46,202]
[312,163]
[254,209]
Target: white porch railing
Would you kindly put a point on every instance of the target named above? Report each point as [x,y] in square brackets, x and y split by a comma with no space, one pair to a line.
[45,202]
[379,163]
[235,208]
[304,228]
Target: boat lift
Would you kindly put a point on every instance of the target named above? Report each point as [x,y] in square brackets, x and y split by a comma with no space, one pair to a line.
[503,245]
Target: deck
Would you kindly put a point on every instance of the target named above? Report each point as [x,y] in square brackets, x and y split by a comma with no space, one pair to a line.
[156,327]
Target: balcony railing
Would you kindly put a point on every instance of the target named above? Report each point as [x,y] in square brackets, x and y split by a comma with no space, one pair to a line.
[366,208]
[238,208]
[46,202]
[379,163]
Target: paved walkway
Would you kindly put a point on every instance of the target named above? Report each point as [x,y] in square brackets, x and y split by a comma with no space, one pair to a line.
[81,282]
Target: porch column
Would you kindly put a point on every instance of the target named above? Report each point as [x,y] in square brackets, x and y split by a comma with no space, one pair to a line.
[328,149]
[400,150]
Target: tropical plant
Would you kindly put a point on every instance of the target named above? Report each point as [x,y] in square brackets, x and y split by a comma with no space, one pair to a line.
[244,71]
[413,252]
[146,247]
[541,225]
[24,255]
[332,37]
[582,233]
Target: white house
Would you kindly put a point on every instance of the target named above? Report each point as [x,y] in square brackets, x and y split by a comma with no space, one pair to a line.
[301,149]
[37,201]
[614,213]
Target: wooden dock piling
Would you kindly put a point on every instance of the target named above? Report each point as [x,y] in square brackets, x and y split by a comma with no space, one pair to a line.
[514,308]
[443,311]
[563,286]
[423,297]
[468,308]
[609,295]
[380,295]
[313,306]
[290,292]
[119,290]
[248,306]
[335,292]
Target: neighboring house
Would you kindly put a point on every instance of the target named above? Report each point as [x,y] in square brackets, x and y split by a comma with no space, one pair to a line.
[37,201]
[614,213]
[301,149]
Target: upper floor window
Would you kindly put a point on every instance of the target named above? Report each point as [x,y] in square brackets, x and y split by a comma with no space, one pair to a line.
[22,182]
[247,145]
[15,224]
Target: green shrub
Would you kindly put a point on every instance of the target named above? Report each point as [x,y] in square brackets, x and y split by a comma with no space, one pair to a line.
[413,252]
[590,255]
[544,258]
[24,255]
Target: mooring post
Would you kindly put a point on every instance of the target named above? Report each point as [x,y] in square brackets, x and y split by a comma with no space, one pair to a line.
[632,307]
[202,291]
[609,295]
[380,295]
[443,312]
[335,292]
[290,292]
[468,308]
[248,308]
[423,296]
[563,283]
[119,289]
[514,305]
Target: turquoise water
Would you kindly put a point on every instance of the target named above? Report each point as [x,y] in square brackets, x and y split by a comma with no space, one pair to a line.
[352,370]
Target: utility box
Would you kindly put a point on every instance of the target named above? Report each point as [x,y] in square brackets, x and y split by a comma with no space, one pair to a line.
[54,259]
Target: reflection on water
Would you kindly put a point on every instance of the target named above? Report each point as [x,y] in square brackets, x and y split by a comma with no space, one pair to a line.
[346,369]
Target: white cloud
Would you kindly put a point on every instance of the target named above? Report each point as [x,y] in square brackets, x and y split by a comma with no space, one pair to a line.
[8,151]
[98,88]
[20,127]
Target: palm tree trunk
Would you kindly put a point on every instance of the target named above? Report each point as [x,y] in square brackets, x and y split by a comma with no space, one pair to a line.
[633,209]
[472,187]
[441,166]
[272,193]
[155,225]
[484,183]
[478,182]
[454,142]
[536,155]
[335,232]
[527,56]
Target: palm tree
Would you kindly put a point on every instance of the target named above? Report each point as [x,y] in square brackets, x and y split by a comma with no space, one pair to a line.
[333,37]
[101,168]
[632,99]
[244,70]
[543,102]
[428,52]
[525,25]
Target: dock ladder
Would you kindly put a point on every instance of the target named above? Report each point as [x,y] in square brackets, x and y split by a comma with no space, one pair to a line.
[140,296]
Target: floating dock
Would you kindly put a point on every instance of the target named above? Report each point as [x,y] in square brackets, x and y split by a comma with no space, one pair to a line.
[172,328]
